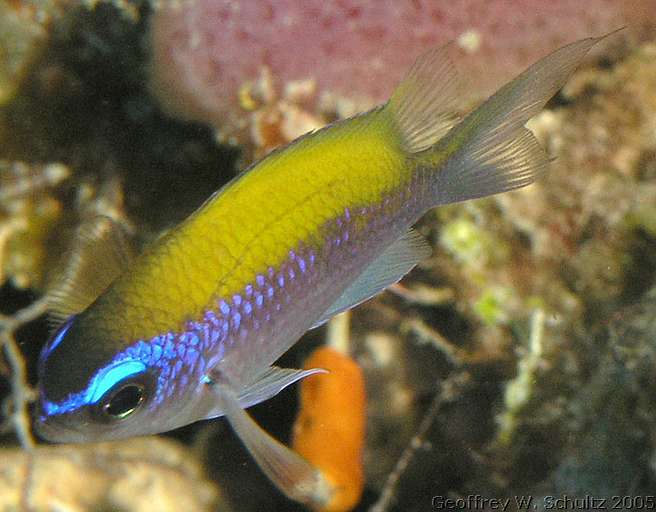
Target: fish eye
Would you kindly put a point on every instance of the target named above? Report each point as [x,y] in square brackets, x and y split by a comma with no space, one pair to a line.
[124,401]
[120,389]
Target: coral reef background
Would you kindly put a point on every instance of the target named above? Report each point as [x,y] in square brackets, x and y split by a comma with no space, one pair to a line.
[344,56]
[517,360]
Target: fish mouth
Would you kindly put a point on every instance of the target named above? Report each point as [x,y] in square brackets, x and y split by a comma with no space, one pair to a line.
[54,430]
[45,430]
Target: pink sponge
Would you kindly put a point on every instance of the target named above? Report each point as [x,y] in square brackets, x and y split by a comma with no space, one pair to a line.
[204,51]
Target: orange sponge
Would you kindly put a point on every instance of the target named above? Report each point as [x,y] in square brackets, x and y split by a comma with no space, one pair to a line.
[330,428]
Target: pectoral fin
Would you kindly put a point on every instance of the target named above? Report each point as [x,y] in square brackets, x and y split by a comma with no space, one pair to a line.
[100,251]
[395,262]
[267,385]
[272,382]
[291,473]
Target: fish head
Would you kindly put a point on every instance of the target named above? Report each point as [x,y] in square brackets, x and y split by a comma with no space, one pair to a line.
[90,393]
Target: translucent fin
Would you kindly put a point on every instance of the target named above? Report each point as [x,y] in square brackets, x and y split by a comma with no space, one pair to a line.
[490,170]
[99,253]
[291,473]
[490,150]
[516,102]
[425,104]
[395,262]
[272,382]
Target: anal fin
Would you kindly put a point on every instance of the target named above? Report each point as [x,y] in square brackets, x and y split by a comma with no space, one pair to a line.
[395,262]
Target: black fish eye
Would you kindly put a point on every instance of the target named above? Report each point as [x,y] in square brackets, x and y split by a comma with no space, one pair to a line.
[124,401]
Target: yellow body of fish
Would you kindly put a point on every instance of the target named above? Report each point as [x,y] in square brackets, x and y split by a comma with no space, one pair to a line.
[255,220]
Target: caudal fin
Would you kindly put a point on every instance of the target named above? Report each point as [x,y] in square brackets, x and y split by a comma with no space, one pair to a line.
[490,150]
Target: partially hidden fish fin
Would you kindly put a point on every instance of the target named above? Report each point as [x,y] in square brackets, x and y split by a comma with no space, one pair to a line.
[291,473]
[490,150]
[100,252]
[272,382]
[426,104]
[395,262]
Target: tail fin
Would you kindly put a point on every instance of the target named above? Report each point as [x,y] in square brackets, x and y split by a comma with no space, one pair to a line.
[490,150]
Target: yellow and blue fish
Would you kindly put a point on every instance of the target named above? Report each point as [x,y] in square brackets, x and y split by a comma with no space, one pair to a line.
[192,327]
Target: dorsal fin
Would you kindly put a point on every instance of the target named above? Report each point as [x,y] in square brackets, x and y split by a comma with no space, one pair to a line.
[99,253]
[425,104]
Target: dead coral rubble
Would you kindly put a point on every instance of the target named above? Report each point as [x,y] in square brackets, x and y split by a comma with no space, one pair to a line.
[139,475]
